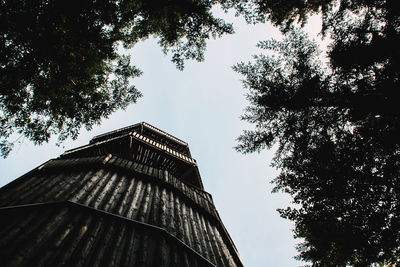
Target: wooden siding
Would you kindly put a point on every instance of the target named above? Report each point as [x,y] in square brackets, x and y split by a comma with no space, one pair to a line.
[133,191]
[67,234]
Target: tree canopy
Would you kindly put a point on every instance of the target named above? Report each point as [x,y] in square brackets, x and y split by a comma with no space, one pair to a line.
[60,65]
[336,128]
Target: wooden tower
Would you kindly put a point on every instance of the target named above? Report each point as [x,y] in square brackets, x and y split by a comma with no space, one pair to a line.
[131,197]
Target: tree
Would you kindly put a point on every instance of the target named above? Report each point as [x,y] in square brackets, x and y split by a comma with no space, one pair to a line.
[337,129]
[60,68]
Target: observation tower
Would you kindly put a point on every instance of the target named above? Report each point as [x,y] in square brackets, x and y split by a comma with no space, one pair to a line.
[131,197]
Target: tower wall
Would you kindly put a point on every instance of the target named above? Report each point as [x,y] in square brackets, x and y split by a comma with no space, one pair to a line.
[89,209]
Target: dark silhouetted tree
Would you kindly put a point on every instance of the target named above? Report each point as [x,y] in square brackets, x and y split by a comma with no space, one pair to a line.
[59,63]
[337,129]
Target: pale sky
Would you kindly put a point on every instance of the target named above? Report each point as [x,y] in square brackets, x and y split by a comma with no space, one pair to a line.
[201,105]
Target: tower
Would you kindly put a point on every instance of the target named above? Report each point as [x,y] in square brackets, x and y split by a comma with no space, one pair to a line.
[131,197]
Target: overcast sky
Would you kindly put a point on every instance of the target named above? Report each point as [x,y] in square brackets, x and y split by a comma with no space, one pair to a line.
[201,105]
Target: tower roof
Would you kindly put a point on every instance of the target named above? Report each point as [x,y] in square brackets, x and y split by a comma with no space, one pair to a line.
[147,144]
[149,131]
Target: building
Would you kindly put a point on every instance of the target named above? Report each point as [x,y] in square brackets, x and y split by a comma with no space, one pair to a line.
[131,197]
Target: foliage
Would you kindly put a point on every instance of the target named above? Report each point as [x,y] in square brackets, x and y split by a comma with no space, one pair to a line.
[60,68]
[337,131]
[280,12]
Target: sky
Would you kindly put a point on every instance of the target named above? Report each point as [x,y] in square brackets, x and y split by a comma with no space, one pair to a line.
[201,105]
